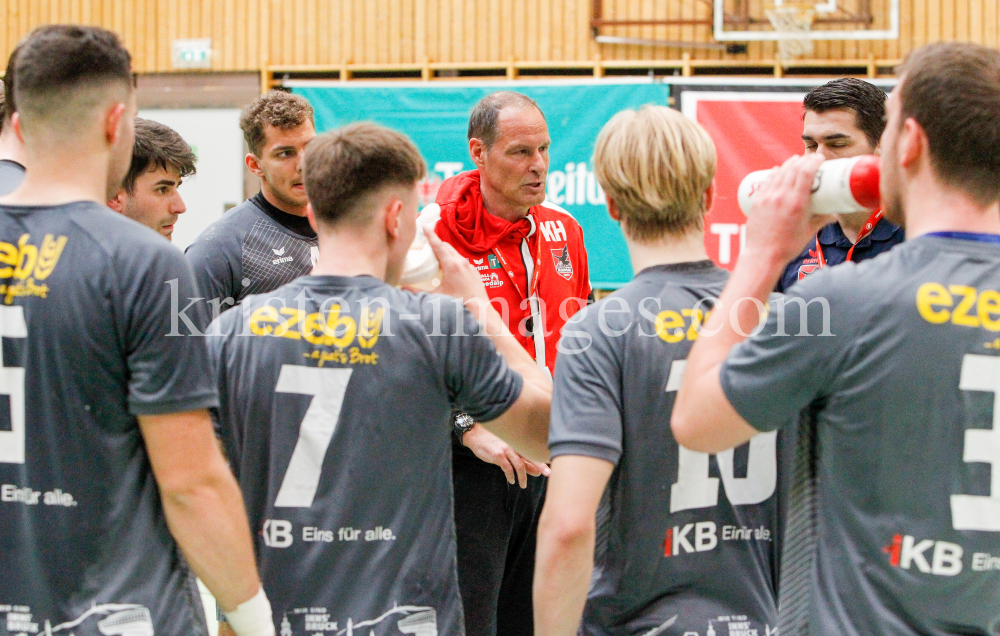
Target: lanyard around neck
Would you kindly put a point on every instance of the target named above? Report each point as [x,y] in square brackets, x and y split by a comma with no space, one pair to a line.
[865,231]
[533,283]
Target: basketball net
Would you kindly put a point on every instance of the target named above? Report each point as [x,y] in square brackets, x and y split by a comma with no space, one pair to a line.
[790,20]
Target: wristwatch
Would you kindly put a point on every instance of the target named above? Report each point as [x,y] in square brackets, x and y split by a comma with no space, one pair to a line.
[463,424]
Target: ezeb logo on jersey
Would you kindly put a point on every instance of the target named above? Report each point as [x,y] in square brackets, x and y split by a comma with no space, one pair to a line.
[27,264]
[330,329]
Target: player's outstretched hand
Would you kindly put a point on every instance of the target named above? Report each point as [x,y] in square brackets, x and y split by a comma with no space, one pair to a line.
[493,450]
[781,223]
[458,277]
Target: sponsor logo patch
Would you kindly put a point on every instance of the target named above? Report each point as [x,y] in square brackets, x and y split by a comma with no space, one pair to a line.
[493,260]
[491,280]
[941,558]
[281,257]
[703,536]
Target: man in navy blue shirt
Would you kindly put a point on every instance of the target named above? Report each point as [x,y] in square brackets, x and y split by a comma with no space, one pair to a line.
[843,118]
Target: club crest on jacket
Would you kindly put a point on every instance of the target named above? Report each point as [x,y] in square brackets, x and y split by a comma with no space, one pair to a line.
[564,266]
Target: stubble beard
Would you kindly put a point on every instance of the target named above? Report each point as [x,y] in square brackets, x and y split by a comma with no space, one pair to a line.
[283,197]
[892,199]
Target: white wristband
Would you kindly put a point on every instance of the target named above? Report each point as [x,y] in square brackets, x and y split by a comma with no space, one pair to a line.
[252,617]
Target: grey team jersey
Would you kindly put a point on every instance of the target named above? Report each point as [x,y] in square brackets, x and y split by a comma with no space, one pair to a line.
[341,444]
[85,318]
[687,542]
[904,395]
[253,249]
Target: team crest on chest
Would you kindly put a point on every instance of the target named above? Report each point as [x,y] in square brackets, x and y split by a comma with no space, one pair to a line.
[808,266]
[564,266]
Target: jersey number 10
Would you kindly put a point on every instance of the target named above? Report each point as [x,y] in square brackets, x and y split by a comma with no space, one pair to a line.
[695,489]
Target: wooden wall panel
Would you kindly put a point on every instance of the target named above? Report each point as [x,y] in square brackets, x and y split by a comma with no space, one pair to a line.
[249,34]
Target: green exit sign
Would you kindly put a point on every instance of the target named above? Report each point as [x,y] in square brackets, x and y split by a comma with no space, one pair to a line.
[192,53]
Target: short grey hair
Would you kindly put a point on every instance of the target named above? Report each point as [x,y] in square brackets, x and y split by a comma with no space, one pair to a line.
[486,114]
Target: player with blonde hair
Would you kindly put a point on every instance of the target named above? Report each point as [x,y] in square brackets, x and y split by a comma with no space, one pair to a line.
[661,545]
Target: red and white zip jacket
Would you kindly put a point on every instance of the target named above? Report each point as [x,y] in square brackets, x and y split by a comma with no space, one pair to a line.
[535,270]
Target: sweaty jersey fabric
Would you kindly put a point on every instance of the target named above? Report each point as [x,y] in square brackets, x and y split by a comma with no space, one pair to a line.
[11,176]
[687,542]
[548,240]
[89,342]
[253,249]
[337,421]
[836,245]
[903,389]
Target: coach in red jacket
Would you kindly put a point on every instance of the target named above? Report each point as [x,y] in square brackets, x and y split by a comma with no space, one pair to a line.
[531,256]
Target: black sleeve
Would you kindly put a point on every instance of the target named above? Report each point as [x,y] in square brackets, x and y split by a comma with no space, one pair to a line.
[478,380]
[169,368]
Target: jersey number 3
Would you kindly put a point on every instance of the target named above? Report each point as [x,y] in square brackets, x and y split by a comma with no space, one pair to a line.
[972,512]
[695,489]
[12,325]
[327,388]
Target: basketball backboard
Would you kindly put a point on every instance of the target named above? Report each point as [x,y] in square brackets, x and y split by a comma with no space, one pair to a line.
[747,20]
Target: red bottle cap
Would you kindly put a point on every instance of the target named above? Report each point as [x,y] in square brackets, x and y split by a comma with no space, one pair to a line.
[864,182]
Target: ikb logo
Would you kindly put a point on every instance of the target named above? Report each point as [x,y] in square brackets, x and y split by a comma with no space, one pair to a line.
[906,552]
[277,533]
[681,539]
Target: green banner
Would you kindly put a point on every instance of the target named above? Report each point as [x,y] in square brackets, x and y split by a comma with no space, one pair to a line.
[436,116]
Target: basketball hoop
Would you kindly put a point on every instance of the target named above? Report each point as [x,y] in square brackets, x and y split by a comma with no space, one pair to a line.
[790,20]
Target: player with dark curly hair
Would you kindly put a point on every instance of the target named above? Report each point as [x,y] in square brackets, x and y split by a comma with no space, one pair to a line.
[266,242]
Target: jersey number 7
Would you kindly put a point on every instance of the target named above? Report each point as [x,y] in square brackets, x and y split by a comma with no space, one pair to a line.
[328,387]
[695,489]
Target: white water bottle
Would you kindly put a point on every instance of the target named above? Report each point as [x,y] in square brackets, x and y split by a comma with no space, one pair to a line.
[842,186]
[421,270]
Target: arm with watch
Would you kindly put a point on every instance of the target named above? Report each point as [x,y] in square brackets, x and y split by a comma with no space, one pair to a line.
[493,450]
[522,432]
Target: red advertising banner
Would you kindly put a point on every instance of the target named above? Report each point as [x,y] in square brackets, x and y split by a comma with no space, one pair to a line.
[752,131]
